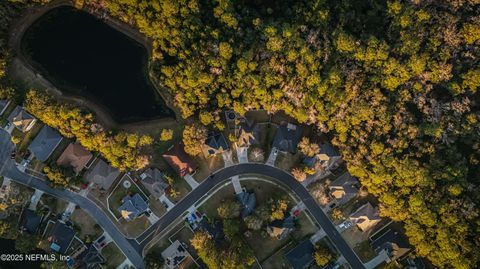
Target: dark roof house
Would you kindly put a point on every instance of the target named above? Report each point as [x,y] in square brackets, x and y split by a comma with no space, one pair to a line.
[344,188]
[90,258]
[175,254]
[365,217]
[328,156]
[61,236]
[179,160]
[287,137]
[281,228]
[30,221]
[248,133]
[132,206]
[45,143]
[215,230]
[301,256]
[102,174]
[21,119]
[248,201]
[215,144]
[74,156]
[394,243]
[152,179]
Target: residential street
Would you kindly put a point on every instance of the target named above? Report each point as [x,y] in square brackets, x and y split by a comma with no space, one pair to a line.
[133,248]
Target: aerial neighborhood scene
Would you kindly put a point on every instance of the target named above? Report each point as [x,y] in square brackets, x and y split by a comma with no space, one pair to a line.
[225,134]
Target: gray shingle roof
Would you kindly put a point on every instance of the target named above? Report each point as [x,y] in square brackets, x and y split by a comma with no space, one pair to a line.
[102,174]
[61,237]
[21,119]
[301,256]
[287,137]
[45,143]
[215,143]
[133,206]
[152,179]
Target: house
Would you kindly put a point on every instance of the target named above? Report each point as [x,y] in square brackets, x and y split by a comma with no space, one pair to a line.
[215,230]
[344,188]
[215,144]
[281,228]
[29,221]
[287,137]
[21,119]
[60,237]
[90,258]
[248,200]
[102,175]
[152,179]
[248,132]
[301,256]
[179,160]
[132,207]
[75,156]
[45,143]
[328,157]
[175,255]
[366,217]
[394,243]
[3,105]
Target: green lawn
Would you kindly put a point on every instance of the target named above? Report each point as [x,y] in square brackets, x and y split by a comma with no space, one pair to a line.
[113,256]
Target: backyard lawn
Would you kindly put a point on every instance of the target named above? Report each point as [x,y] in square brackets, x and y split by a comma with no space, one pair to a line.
[113,256]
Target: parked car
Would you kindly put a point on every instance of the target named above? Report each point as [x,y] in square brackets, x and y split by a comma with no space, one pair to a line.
[345,224]
[13,155]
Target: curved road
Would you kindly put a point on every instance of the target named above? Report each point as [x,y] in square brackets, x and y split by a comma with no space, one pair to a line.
[133,248]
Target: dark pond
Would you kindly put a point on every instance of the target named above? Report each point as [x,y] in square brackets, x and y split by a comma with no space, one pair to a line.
[8,247]
[84,56]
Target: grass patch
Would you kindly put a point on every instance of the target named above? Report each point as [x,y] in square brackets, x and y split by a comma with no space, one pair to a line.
[113,256]
[135,227]
[287,161]
[89,229]
[207,166]
[364,251]
[57,206]
[27,138]
[211,205]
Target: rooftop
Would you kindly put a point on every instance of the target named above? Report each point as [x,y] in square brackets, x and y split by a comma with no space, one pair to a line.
[287,137]
[174,254]
[30,221]
[102,174]
[179,160]
[45,143]
[21,119]
[61,236]
[301,256]
[74,156]
[152,179]
[132,207]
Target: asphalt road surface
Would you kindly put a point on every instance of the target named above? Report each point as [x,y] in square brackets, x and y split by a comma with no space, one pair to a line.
[133,248]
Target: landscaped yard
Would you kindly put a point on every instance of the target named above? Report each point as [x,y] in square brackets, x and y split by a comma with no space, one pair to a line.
[207,165]
[26,138]
[364,251]
[287,161]
[210,206]
[113,256]
[89,229]
[57,206]
[119,192]
[135,227]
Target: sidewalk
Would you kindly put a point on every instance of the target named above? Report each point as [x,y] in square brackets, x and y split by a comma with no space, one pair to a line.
[272,157]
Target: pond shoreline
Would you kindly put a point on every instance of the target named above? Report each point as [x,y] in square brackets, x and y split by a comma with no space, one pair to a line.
[22,67]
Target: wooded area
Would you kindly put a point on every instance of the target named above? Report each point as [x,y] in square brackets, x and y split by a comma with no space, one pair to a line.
[395,83]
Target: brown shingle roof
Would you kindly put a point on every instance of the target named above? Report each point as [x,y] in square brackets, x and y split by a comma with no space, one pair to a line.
[366,217]
[179,160]
[74,156]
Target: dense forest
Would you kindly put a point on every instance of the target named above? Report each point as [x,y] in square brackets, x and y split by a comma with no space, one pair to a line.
[394,82]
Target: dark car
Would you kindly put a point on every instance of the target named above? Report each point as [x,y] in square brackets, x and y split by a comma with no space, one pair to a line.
[12,155]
